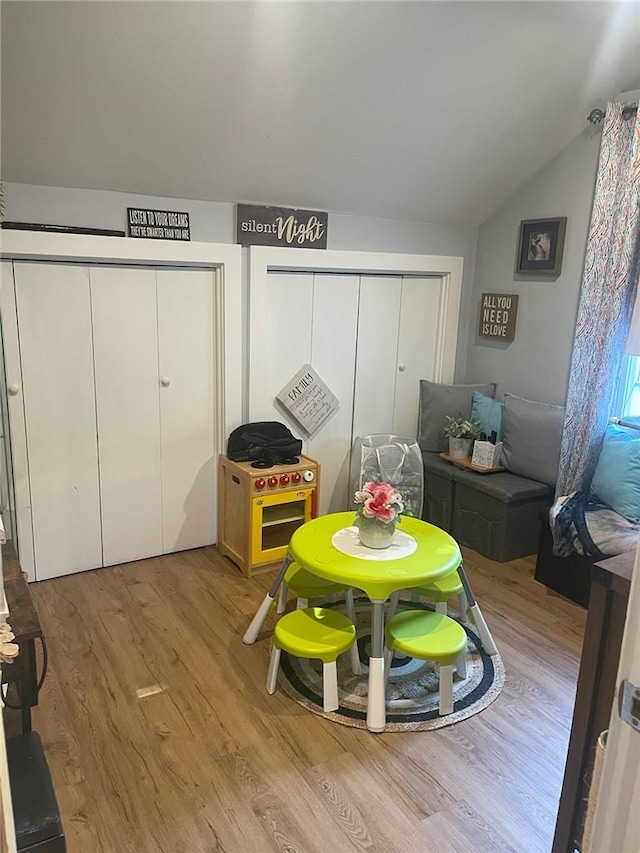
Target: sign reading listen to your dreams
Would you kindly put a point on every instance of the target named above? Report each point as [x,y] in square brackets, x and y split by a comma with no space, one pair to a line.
[307,399]
[157,224]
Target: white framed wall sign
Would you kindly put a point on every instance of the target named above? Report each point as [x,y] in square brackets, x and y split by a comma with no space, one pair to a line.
[308,400]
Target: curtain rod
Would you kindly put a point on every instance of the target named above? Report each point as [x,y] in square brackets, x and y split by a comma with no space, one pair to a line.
[624,423]
[596,116]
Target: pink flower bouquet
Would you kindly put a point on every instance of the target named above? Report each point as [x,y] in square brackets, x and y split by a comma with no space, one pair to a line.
[379,502]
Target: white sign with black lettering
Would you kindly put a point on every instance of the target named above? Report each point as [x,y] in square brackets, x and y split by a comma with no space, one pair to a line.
[307,399]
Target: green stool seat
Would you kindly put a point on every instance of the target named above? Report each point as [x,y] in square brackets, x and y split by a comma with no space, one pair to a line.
[441,590]
[429,636]
[306,586]
[314,632]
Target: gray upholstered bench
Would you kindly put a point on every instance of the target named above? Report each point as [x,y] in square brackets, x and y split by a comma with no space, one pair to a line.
[498,515]
[438,491]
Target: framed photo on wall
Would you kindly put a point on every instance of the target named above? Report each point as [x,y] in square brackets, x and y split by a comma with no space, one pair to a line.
[540,246]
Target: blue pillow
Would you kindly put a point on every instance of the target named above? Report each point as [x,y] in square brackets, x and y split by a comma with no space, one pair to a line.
[488,413]
[617,477]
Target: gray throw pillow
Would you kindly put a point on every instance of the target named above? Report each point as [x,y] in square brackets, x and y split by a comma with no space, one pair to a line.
[532,435]
[438,400]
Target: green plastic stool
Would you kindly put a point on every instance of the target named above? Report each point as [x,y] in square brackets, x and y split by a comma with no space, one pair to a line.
[307,586]
[315,632]
[441,592]
[429,636]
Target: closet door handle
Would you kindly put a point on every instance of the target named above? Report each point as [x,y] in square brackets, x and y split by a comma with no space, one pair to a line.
[13,390]
[165,382]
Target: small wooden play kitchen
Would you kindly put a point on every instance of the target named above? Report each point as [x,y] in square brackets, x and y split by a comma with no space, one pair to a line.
[259,509]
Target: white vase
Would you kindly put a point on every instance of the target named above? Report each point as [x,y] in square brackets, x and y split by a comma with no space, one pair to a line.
[460,448]
[374,534]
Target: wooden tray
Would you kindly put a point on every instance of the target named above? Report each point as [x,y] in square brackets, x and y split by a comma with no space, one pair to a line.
[469,466]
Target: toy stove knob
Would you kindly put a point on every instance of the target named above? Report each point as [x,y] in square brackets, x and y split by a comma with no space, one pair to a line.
[260,483]
[284,480]
[273,482]
[308,476]
[296,477]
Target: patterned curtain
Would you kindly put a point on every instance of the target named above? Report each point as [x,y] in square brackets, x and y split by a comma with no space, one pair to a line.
[609,284]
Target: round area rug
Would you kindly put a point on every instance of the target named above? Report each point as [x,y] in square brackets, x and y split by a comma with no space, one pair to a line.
[412,689]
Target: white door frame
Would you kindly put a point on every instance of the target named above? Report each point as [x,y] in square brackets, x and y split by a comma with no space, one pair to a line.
[263,259]
[225,259]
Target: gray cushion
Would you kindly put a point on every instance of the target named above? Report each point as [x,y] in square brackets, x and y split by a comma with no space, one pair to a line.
[532,434]
[438,400]
[504,487]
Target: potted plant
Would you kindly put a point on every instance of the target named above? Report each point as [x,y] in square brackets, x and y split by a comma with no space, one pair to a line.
[461,433]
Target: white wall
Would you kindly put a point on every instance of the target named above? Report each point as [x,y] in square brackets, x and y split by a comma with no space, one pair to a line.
[536,364]
[215,222]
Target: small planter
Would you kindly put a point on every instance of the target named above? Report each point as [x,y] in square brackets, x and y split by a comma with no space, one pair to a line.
[372,534]
[460,448]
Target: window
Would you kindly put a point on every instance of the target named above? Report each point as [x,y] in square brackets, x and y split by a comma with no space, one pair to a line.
[626,401]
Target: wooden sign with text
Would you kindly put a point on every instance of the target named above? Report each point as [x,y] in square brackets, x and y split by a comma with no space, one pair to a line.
[157,224]
[307,399]
[498,313]
[281,226]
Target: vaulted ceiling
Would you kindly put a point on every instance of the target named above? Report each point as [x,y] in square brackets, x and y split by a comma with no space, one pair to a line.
[433,111]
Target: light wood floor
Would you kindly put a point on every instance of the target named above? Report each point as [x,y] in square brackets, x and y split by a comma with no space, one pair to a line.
[210,762]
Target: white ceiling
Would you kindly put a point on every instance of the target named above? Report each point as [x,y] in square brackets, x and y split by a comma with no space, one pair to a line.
[433,111]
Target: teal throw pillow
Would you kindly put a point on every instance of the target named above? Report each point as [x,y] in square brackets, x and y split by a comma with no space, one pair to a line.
[488,413]
[617,477]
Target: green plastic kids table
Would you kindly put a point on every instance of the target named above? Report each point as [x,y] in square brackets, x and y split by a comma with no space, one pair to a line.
[420,553]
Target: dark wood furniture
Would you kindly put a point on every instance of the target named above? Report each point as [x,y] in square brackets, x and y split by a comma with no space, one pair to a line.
[570,576]
[35,807]
[610,583]
[23,618]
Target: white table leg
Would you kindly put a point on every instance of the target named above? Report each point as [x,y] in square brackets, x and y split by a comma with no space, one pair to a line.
[476,614]
[376,712]
[251,634]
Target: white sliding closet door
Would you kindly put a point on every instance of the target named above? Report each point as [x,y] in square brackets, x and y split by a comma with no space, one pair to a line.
[187,405]
[54,317]
[417,347]
[377,353]
[128,408]
[284,342]
[371,339]
[333,355]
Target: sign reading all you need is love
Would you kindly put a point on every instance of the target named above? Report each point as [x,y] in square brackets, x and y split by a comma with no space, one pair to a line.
[280,226]
[498,313]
